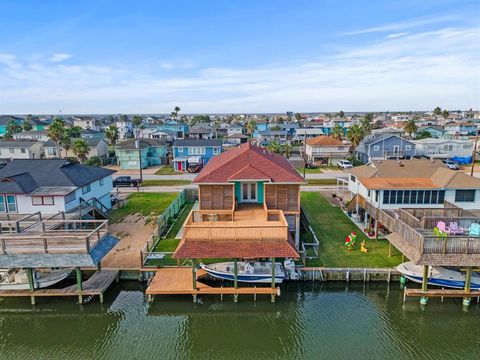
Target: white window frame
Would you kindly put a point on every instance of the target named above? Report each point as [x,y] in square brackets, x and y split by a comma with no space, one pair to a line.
[376,147]
[408,147]
[215,150]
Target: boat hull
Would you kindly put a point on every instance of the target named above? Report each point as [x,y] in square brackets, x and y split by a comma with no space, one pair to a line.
[438,276]
[42,280]
[244,277]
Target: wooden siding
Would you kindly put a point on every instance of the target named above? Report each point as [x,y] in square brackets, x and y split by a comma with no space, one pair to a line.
[283,197]
[216,197]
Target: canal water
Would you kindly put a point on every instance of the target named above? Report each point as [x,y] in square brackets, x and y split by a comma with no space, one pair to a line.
[309,321]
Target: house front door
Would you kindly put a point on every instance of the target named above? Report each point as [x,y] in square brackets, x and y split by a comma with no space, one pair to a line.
[396,150]
[249,192]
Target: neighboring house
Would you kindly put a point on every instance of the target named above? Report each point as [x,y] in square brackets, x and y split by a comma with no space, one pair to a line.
[261,125]
[5,119]
[51,186]
[460,128]
[306,133]
[234,129]
[98,147]
[384,146]
[92,134]
[41,135]
[125,129]
[238,139]
[273,135]
[50,150]
[325,150]
[401,118]
[20,149]
[86,122]
[201,133]
[254,198]
[388,131]
[178,128]
[152,152]
[194,150]
[391,184]
[39,125]
[443,149]
[156,134]
[288,127]
[434,131]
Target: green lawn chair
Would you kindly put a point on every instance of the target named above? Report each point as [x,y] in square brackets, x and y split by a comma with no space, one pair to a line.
[474,229]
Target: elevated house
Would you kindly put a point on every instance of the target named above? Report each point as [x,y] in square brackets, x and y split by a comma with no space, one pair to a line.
[384,146]
[460,128]
[177,128]
[201,132]
[443,148]
[51,186]
[125,129]
[198,151]
[325,150]
[133,153]
[234,129]
[249,208]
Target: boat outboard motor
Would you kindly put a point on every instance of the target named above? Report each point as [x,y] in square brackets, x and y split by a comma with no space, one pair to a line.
[289,266]
[249,268]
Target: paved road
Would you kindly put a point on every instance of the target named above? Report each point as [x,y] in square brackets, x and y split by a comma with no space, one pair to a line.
[128,190]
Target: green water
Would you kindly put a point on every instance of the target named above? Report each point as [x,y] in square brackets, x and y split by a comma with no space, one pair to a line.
[309,321]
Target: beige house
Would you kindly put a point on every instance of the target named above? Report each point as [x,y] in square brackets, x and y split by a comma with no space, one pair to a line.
[325,150]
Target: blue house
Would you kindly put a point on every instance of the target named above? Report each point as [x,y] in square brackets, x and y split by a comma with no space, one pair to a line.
[5,119]
[152,152]
[384,146]
[194,151]
[434,131]
[175,126]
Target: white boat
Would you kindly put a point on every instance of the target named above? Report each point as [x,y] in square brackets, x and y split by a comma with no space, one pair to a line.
[248,271]
[438,276]
[17,279]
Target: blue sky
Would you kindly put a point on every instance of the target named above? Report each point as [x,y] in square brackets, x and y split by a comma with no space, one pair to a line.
[238,56]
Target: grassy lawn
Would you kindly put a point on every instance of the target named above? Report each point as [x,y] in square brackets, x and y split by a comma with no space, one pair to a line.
[321,181]
[167,170]
[146,204]
[332,227]
[165,182]
[315,170]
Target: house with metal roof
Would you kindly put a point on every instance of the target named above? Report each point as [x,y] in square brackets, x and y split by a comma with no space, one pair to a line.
[249,207]
[194,151]
[51,186]
[133,153]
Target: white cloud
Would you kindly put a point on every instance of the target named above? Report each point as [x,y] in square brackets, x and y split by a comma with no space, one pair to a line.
[408,72]
[59,57]
[393,36]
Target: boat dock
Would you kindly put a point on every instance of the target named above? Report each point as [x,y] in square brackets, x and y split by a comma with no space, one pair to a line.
[95,285]
[441,293]
[179,280]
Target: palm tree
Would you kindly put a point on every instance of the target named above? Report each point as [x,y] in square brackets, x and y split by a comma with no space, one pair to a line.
[355,134]
[56,131]
[337,132]
[80,149]
[175,112]
[274,146]
[250,126]
[66,141]
[286,150]
[75,131]
[137,121]
[111,133]
[410,127]
[366,124]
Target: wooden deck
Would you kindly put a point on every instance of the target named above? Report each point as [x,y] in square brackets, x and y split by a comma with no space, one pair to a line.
[451,293]
[95,285]
[178,281]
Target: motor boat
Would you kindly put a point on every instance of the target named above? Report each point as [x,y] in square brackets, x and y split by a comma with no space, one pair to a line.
[251,271]
[438,276]
[17,279]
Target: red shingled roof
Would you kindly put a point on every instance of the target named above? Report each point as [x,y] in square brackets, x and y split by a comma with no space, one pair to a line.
[257,163]
[207,249]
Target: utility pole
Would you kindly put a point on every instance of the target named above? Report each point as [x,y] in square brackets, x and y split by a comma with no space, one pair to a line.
[474,154]
[304,152]
[138,146]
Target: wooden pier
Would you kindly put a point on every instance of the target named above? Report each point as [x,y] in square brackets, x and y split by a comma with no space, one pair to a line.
[441,293]
[96,285]
[178,280]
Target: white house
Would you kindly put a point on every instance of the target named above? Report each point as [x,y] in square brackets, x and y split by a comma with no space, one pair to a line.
[325,150]
[234,129]
[400,118]
[86,122]
[392,184]
[31,135]
[125,129]
[51,186]
[302,133]
[443,149]
[20,149]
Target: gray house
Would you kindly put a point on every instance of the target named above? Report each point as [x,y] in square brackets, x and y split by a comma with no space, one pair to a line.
[384,146]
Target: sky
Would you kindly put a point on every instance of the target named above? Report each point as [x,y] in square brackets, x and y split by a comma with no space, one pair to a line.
[218,56]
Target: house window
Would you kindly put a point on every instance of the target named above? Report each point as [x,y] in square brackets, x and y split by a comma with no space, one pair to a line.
[376,147]
[101,182]
[70,197]
[215,151]
[352,178]
[51,151]
[12,150]
[465,195]
[413,196]
[180,150]
[42,200]
[408,147]
[23,150]
[2,203]
[11,203]
[86,189]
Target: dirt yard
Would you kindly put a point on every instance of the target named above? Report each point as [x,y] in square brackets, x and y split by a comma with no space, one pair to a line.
[133,233]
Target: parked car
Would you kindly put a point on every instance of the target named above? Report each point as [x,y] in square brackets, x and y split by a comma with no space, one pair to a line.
[193,168]
[126,181]
[452,165]
[344,164]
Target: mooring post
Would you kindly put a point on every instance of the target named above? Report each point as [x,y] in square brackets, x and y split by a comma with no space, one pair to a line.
[31,283]
[194,275]
[273,273]
[235,279]
[424,299]
[468,282]
[79,284]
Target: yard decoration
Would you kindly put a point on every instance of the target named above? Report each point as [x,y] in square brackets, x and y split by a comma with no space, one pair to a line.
[362,247]
[350,240]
